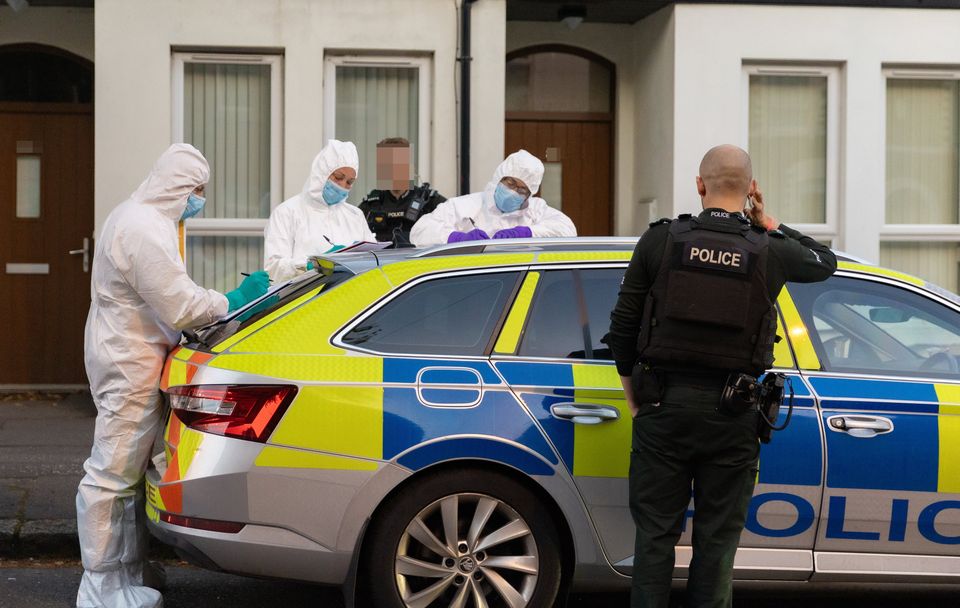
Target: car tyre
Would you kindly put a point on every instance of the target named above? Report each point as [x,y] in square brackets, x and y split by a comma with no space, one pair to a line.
[463,538]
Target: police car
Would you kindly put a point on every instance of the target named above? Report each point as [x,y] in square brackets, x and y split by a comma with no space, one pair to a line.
[445,427]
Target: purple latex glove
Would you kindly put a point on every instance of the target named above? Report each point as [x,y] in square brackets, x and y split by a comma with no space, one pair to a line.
[520,232]
[474,235]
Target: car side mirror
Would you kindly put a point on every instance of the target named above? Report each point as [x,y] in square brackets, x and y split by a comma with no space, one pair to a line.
[888,314]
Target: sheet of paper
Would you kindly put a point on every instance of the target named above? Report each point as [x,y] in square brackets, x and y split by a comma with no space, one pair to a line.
[365,246]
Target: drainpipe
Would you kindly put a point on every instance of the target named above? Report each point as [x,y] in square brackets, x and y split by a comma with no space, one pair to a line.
[465,60]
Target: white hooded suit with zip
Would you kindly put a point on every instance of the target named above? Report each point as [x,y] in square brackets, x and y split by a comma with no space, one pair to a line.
[306,225]
[142,298]
[455,214]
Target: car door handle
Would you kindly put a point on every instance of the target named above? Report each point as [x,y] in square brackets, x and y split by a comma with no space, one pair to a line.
[584,413]
[860,426]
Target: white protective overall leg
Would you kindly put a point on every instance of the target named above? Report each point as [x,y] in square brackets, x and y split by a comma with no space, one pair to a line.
[141,298]
[113,537]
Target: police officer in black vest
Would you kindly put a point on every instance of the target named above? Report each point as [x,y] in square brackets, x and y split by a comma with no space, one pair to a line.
[394,208]
[695,312]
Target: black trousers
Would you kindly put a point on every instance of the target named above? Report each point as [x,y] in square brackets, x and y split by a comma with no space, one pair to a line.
[677,446]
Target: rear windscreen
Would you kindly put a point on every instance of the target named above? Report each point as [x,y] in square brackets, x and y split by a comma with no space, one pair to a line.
[276,297]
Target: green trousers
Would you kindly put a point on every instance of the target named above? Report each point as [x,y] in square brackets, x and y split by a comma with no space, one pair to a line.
[677,447]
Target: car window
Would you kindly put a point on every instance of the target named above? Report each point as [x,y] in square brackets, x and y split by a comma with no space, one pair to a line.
[445,316]
[876,328]
[556,328]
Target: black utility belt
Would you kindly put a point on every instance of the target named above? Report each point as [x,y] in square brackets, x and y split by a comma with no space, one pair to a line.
[742,393]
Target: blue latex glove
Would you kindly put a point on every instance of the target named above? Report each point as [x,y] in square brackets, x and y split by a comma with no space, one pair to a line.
[474,235]
[250,289]
[520,232]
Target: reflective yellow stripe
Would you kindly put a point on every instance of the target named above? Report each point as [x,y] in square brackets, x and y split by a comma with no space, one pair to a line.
[152,514]
[345,420]
[585,256]
[320,368]
[154,498]
[300,459]
[799,338]
[782,357]
[183,354]
[592,454]
[246,331]
[510,335]
[948,422]
[402,272]
[190,441]
[886,272]
[307,330]
[178,372]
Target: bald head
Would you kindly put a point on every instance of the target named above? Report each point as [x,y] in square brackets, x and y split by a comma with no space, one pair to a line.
[726,171]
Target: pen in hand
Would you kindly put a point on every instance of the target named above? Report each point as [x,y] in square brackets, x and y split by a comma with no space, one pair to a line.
[246,274]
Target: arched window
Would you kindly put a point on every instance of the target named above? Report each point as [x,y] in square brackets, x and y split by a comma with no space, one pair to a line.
[40,74]
[558,80]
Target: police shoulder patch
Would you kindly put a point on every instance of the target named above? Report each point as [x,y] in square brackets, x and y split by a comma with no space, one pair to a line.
[661,221]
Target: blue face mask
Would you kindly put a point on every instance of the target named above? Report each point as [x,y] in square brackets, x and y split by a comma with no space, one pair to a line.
[333,194]
[194,206]
[507,200]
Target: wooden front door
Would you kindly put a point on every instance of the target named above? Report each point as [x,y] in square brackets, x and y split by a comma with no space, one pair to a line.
[577,157]
[46,206]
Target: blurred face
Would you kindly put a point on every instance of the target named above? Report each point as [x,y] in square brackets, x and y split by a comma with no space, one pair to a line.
[517,186]
[344,177]
[394,168]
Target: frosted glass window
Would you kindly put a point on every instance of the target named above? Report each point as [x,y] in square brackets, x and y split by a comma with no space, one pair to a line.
[788,144]
[551,188]
[923,151]
[215,262]
[28,186]
[936,262]
[373,103]
[557,82]
[226,115]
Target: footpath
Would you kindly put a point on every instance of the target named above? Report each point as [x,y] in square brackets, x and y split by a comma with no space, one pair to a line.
[44,439]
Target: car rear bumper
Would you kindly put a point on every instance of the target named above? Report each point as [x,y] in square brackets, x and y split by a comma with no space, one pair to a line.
[256,550]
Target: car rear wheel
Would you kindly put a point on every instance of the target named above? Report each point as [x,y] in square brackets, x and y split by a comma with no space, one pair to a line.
[472,539]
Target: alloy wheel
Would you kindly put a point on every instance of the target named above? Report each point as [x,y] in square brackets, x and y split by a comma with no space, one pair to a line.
[464,550]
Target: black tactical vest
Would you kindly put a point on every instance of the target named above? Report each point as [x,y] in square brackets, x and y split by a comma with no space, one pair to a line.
[709,306]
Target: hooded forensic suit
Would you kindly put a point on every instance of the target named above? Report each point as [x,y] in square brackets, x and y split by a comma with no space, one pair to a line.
[141,299]
[306,225]
[479,211]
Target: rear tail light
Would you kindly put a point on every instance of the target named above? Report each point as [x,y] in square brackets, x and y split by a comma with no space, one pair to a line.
[213,525]
[241,412]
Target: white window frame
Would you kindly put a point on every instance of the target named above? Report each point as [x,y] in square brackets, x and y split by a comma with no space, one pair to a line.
[830,229]
[234,226]
[913,232]
[425,85]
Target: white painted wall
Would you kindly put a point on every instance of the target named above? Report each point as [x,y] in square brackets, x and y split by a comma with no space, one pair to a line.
[613,43]
[70,29]
[133,85]
[713,42]
[654,133]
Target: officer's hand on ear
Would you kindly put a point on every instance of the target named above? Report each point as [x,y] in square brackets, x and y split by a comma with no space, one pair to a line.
[758,215]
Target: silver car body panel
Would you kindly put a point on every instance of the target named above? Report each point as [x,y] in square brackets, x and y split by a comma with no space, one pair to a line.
[313,534]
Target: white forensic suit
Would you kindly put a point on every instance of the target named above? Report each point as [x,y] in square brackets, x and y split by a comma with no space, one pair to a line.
[478,210]
[141,299]
[306,225]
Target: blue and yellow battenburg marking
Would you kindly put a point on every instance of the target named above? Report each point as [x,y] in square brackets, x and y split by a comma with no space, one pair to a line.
[921,454]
